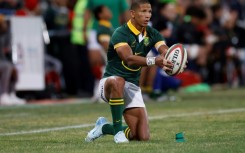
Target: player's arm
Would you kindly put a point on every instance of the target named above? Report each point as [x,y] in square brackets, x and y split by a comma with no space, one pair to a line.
[104,40]
[126,54]
[161,47]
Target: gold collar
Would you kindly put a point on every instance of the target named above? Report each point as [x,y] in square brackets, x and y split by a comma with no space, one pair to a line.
[105,23]
[133,29]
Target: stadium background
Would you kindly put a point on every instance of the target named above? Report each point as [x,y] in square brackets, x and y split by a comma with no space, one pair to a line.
[212,31]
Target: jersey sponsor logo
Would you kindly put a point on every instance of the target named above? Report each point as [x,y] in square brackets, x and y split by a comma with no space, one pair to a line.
[133,44]
[137,53]
[146,41]
[118,121]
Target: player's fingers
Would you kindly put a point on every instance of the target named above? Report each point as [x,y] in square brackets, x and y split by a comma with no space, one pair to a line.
[185,65]
[170,65]
[165,68]
[167,63]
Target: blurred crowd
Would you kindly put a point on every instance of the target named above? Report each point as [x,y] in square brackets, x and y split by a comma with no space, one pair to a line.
[213,32]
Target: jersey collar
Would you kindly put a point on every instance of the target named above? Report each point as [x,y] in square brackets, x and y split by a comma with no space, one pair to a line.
[133,29]
[105,23]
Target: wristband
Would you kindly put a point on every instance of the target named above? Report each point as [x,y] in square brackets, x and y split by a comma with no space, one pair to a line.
[150,61]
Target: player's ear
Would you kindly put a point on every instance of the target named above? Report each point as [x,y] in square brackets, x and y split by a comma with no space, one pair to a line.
[132,13]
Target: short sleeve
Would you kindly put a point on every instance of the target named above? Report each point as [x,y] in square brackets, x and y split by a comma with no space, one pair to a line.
[119,38]
[124,6]
[104,37]
[158,39]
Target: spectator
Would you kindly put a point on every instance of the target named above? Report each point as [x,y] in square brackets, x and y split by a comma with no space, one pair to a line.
[8,73]
[105,29]
[192,34]
[80,80]
[104,32]
[119,9]
[57,16]
[165,22]
[29,7]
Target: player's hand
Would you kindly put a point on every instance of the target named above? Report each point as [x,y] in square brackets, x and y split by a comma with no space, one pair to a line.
[186,64]
[184,67]
[164,63]
[168,66]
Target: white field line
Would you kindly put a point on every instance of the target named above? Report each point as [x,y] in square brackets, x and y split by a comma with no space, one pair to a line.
[223,111]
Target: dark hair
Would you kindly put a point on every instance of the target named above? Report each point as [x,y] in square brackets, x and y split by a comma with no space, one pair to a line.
[135,3]
[97,11]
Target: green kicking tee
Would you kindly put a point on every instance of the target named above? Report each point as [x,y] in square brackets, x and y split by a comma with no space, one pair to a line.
[127,34]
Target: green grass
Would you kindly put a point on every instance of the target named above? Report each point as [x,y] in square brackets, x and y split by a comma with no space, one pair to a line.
[209,131]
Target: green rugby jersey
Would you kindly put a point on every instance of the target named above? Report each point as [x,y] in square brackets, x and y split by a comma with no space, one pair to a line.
[104,31]
[127,34]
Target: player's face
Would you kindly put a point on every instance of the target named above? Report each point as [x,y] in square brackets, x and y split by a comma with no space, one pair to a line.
[107,13]
[142,15]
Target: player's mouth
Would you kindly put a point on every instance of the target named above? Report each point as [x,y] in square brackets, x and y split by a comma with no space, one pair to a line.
[146,21]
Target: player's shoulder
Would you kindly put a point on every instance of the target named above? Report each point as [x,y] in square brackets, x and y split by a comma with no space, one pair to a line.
[122,30]
[102,27]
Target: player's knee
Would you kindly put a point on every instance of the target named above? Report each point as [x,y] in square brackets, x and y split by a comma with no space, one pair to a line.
[143,134]
[144,137]
[133,135]
[117,84]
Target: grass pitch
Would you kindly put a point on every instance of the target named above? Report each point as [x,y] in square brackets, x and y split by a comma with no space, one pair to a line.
[212,122]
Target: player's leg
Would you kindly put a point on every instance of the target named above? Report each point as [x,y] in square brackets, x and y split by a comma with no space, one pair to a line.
[136,119]
[111,90]
[114,92]
[135,113]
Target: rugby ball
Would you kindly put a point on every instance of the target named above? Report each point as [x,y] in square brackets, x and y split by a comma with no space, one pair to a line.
[176,54]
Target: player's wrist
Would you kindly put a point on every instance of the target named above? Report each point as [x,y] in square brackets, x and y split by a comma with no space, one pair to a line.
[150,61]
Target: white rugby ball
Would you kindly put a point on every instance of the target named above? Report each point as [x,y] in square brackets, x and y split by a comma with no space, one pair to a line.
[176,54]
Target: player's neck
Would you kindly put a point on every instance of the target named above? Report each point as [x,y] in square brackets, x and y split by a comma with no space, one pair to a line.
[137,26]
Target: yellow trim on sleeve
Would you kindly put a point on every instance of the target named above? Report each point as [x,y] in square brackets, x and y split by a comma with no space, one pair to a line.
[159,43]
[120,44]
[104,37]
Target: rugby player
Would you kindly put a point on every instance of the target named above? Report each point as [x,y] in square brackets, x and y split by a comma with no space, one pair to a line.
[119,86]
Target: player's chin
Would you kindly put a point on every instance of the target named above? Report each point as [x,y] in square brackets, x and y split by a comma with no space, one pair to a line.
[145,24]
